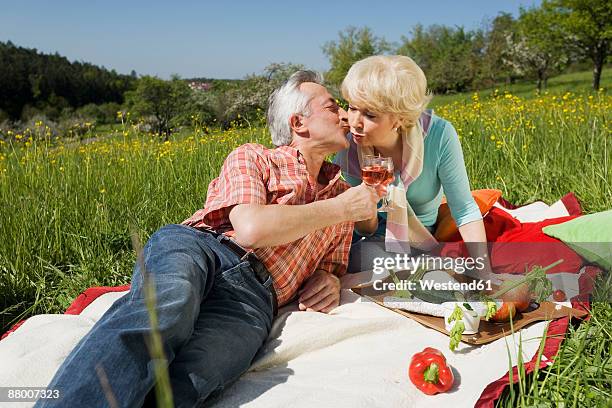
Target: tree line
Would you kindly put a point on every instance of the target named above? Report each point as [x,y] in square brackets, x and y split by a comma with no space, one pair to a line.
[541,42]
[32,82]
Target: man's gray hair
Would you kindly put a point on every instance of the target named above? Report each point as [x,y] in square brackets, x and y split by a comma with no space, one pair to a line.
[286,101]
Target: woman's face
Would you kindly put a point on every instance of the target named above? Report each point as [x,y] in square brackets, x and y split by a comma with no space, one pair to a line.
[371,129]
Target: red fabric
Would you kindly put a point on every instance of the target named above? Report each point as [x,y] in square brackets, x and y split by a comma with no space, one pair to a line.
[570,201]
[586,283]
[519,246]
[572,204]
[12,329]
[496,222]
[523,247]
[91,294]
[80,303]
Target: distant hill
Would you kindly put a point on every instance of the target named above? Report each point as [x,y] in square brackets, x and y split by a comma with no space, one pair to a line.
[33,80]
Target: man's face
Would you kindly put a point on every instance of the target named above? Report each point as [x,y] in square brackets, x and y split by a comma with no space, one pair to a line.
[327,123]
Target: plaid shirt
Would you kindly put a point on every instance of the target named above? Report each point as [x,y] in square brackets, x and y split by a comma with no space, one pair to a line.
[253,174]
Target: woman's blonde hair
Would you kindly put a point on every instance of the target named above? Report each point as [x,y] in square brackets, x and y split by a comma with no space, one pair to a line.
[388,84]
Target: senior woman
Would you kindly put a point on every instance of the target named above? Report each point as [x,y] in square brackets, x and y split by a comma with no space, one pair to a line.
[387,97]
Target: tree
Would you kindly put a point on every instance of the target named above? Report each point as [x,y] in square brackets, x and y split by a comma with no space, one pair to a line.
[166,101]
[538,47]
[493,66]
[240,102]
[446,55]
[354,44]
[29,78]
[588,24]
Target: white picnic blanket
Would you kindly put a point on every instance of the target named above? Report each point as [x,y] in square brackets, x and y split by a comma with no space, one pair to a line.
[356,356]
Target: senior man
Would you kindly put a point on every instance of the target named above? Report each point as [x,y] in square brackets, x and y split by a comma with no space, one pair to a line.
[276,221]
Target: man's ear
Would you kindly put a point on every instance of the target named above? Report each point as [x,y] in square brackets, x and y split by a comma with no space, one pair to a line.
[297,125]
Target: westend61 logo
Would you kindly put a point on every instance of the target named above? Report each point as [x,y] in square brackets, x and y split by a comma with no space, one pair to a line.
[406,262]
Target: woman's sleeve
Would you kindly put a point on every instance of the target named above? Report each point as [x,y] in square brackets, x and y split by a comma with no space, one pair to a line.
[454,179]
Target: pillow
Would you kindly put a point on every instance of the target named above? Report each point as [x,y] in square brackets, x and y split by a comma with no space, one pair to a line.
[446,228]
[589,235]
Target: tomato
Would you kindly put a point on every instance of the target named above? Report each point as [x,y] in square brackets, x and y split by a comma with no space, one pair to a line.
[559,296]
[505,312]
[519,295]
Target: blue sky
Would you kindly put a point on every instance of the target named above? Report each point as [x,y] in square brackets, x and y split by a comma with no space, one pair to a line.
[220,39]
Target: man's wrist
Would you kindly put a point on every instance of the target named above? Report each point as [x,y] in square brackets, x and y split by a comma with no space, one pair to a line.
[338,209]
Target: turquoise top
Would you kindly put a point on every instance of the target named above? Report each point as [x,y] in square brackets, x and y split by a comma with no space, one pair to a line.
[443,173]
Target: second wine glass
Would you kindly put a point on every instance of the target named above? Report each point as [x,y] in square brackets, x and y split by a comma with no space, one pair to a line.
[387,164]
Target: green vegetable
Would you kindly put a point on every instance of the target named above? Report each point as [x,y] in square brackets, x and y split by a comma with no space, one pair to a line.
[416,276]
[491,309]
[455,335]
[400,293]
[456,315]
[458,328]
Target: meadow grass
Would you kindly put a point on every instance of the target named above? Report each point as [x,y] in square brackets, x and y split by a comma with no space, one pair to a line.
[579,82]
[67,207]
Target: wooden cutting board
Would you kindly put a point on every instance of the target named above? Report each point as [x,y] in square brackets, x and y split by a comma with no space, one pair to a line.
[488,331]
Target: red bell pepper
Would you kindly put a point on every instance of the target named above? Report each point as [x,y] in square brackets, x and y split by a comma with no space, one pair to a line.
[429,372]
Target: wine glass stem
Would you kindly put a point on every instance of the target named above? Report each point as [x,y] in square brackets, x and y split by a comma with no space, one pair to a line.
[385,200]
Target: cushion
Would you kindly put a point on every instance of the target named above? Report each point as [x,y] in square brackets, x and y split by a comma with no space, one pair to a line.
[446,228]
[589,235]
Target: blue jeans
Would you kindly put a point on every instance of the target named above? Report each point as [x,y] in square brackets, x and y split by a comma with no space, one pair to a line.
[213,316]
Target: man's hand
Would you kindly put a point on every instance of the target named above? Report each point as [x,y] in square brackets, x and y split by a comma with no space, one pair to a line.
[320,292]
[359,202]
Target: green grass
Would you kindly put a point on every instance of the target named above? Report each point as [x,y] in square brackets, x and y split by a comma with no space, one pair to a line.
[574,82]
[581,375]
[67,209]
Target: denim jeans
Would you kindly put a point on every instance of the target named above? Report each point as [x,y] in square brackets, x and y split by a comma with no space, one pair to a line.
[213,316]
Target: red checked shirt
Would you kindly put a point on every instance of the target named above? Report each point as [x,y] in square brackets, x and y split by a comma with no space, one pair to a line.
[254,174]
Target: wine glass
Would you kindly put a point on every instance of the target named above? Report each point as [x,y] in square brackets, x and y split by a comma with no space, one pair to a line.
[387,164]
[376,171]
[372,172]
